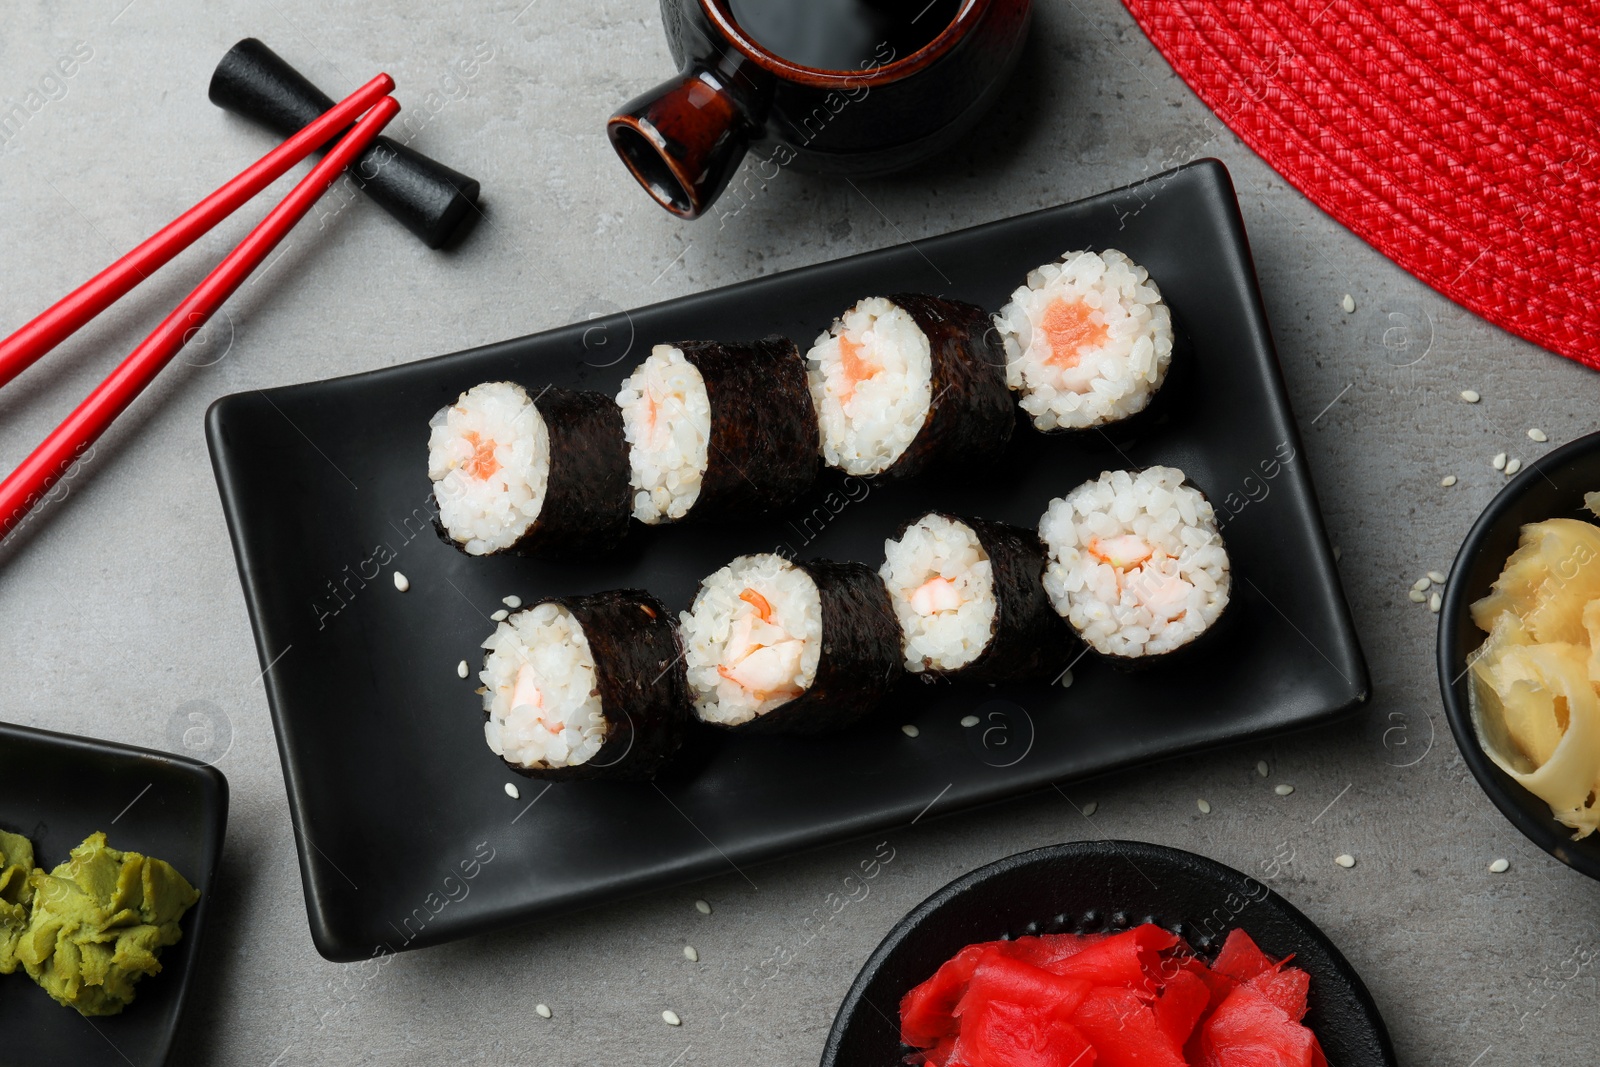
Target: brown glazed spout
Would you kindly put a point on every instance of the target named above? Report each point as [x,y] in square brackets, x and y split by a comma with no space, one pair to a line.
[684,139]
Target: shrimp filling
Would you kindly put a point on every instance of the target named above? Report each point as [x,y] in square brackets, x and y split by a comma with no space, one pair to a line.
[752,640]
[1147,573]
[760,657]
[489,460]
[871,379]
[540,690]
[666,420]
[941,584]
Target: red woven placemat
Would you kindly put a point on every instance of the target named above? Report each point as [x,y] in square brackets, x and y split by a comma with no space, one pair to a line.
[1460,139]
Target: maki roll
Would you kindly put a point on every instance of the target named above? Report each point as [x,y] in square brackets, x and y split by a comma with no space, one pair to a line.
[970,598]
[1136,564]
[1087,341]
[529,474]
[718,430]
[903,383]
[585,687]
[778,647]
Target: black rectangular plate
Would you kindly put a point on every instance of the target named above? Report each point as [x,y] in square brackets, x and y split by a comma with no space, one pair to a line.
[394,793]
[57,790]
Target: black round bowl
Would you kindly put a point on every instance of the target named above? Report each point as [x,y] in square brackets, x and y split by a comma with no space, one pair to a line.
[1552,487]
[1093,886]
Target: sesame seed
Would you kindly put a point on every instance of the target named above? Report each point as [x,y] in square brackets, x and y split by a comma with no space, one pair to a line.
[1262,769]
[690,954]
[1346,860]
[1204,806]
[1470,396]
[1066,679]
[1435,602]
[1513,466]
[1090,808]
[910,730]
[512,791]
[1499,461]
[512,602]
[1448,480]
[401,582]
[482,689]
[462,670]
[670,1017]
[1499,867]
[501,616]
[1283,790]
[1337,552]
[969,720]
[1417,596]
[1537,434]
[1348,303]
[1421,584]
[542,1010]
[702,907]
[1436,577]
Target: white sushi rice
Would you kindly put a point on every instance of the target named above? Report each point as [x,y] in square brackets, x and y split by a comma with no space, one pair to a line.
[1121,604]
[489,458]
[941,584]
[1126,334]
[739,664]
[540,690]
[871,379]
[666,418]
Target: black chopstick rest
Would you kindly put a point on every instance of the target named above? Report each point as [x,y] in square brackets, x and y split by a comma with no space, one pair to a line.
[434,202]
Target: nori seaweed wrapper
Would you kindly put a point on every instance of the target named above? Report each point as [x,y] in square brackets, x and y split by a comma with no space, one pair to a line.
[972,413]
[763,451]
[588,500]
[860,661]
[1028,641]
[644,694]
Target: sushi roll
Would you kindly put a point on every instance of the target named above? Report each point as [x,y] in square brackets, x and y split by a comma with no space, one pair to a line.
[514,473]
[970,598]
[903,383]
[1087,340]
[1136,564]
[585,687]
[772,646]
[718,430]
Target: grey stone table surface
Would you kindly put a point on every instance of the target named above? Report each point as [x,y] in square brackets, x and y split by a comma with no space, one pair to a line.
[120,605]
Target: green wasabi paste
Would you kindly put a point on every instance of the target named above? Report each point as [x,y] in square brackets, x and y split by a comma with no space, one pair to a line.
[16,894]
[98,923]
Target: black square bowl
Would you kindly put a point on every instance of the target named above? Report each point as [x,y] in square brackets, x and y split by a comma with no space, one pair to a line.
[56,790]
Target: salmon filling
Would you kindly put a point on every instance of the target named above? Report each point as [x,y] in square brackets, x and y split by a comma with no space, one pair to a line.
[1069,329]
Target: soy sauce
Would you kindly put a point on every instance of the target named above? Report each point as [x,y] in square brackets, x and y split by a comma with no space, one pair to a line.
[843,34]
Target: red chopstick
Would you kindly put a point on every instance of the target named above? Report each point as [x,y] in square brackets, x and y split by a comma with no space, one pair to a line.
[28,484]
[62,319]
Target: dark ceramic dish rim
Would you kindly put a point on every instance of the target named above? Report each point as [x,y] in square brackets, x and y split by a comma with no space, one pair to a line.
[912,921]
[1544,831]
[214,793]
[721,16]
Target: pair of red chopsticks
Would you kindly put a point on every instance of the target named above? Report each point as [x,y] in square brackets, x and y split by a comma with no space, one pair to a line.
[38,474]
